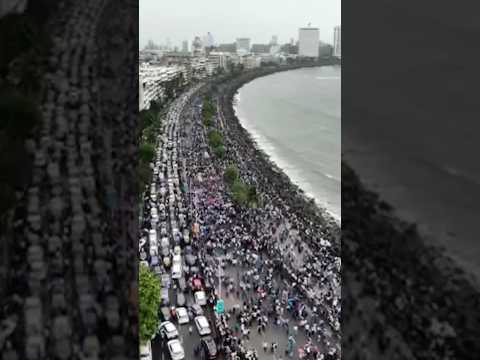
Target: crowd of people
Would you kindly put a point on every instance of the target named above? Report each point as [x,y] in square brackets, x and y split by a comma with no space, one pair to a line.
[289,257]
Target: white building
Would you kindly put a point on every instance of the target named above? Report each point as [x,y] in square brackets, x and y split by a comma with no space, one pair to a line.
[198,66]
[152,80]
[251,61]
[274,49]
[337,42]
[217,60]
[243,45]
[309,40]
[185,46]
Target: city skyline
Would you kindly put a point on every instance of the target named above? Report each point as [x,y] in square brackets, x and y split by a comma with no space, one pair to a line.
[183,20]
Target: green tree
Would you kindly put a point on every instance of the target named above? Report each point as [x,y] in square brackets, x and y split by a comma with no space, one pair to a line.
[144,175]
[149,301]
[147,153]
[252,195]
[231,174]
[147,117]
[240,192]
[219,151]
[215,138]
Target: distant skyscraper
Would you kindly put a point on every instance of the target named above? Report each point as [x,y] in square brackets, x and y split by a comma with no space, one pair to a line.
[185,46]
[309,39]
[292,41]
[337,41]
[209,41]
[243,45]
[274,40]
[197,46]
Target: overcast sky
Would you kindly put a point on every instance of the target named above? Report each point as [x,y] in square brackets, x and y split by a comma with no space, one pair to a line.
[181,20]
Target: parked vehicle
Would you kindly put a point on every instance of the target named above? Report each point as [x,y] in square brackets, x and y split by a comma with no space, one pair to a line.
[176,350]
[202,325]
[176,271]
[200,298]
[168,330]
[182,316]
[209,347]
[146,351]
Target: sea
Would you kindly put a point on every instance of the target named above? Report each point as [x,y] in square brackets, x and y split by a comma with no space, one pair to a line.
[295,117]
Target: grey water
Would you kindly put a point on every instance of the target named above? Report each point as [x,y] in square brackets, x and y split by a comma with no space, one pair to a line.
[295,117]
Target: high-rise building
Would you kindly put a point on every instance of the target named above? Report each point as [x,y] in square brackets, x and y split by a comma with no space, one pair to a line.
[243,45]
[231,48]
[261,48]
[185,46]
[309,38]
[197,46]
[274,40]
[337,41]
[208,40]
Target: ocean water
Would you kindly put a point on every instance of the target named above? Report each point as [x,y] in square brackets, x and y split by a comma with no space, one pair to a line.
[295,117]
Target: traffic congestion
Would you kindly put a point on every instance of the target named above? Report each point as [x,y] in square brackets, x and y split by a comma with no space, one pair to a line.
[236,283]
[166,247]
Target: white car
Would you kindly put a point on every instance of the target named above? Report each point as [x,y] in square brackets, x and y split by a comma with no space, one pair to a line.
[175,349]
[144,263]
[168,330]
[182,315]
[176,271]
[200,298]
[203,326]
[146,351]
[152,236]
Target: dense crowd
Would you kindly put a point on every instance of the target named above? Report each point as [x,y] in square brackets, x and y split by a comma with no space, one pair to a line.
[278,246]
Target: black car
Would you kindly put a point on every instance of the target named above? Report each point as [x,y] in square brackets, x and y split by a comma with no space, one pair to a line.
[209,347]
[166,315]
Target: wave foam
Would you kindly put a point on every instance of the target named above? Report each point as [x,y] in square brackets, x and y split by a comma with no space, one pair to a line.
[293,172]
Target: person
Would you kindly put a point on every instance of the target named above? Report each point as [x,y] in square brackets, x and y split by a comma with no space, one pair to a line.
[190,329]
[265,346]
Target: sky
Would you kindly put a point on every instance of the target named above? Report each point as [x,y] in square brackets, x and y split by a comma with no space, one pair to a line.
[226,20]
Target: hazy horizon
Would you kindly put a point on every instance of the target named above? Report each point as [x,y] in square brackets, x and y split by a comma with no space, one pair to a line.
[259,20]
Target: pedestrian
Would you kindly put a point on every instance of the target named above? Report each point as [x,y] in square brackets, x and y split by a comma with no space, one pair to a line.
[190,329]
[265,346]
